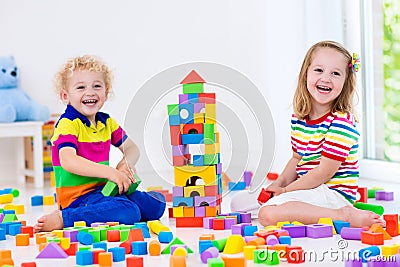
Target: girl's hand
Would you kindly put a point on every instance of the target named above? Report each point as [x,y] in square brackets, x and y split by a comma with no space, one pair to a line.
[276,190]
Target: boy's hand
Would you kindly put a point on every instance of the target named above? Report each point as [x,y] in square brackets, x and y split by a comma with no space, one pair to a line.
[123,167]
[122,179]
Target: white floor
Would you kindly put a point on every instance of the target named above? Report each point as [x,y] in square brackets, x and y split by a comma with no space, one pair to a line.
[325,251]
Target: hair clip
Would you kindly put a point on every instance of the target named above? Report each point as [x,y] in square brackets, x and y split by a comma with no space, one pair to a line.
[355,62]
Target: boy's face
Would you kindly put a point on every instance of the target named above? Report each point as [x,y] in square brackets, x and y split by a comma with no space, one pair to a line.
[86,92]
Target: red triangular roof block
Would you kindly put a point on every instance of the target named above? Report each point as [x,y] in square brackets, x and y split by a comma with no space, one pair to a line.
[193,77]
[52,251]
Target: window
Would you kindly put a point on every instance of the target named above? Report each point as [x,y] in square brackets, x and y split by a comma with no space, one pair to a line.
[380,25]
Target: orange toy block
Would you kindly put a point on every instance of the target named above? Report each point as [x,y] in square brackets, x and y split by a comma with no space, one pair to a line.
[135,234]
[22,240]
[134,261]
[113,236]
[154,248]
[8,262]
[41,238]
[177,261]
[371,238]
[211,211]
[5,254]
[207,237]
[234,261]
[105,259]
[377,228]
[188,211]
[258,241]
[392,224]
[27,230]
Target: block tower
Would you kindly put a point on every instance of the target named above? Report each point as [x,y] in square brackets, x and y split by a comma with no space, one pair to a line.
[198,171]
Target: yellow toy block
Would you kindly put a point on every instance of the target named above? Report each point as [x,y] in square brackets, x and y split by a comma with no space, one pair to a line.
[297,223]
[327,221]
[211,113]
[6,198]
[177,212]
[216,135]
[188,212]
[52,179]
[192,191]
[65,242]
[152,188]
[79,223]
[58,233]
[180,251]
[280,224]
[198,118]
[248,252]
[212,149]
[183,174]
[389,250]
[272,227]
[234,244]
[19,208]
[156,227]
[22,240]
[48,200]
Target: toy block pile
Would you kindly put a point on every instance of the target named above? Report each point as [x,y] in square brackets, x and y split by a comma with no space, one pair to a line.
[195,154]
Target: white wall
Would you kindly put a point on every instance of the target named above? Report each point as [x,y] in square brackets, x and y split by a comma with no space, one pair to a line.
[264,40]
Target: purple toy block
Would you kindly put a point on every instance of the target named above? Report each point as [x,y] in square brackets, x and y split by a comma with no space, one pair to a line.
[96,224]
[271,240]
[209,253]
[72,234]
[1,217]
[180,150]
[295,230]
[353,263]
[210,200]
[247,175]
[319,230]
[351,233]
[177,191]
[52,251]
[247,239]
[376,262]
[245,217]
[237,229]
[218,168]
[383,195]
[208,222]
[228,222]
[200,211]
[173,247]
[197,107]
[183,98]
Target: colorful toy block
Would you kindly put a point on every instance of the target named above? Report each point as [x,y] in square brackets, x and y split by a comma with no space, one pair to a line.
[118,254]
[112,236]
[353,263]
[234,260]
[154,248]
[368,252]
[211,252]
[264,196]
[350,233]
[371,238]
[377,228]
[180,251]
[105,259]
[234,244]
[177,261]
[384,195]
[319,230]
[327,221]
[27,230]
[84,257]
[295,254]
[85,238]
[176,241]
[48,200]
[22,240]
[156,227]
[295,231]
[339,225]
[28,264]
[139,248]
[392,224]
[363,191]
[165,237]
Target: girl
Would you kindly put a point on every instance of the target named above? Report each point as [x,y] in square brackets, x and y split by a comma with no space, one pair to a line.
[320,179]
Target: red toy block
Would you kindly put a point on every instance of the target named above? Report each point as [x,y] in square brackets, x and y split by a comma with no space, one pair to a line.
[28,264]
[127,245]
[295,254]
[219,224]
[189,222]
[175,134]
[135,234]
[264,234]
[371,238]
[272,176]
[392,224]
[264,196]
[73,248]
[363,191]
[113,236]
[27,230]
[96,253]
[134,261]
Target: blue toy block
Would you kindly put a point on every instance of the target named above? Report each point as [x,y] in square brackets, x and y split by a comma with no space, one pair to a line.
[14,229]
[139,248]
[237,214]
[118,253]
[84,257]
[186,113]
[165,237]
[37,200]
[198,160]
[236,186]
[365,253]
[192,139]
[183,201]
[174,120]
[193,98]
[8,211]
[85,238]
[205,244]
[339,225]
[145,229]
[2,234]
[101,245]
[6,226]
[249,230]
[285,240]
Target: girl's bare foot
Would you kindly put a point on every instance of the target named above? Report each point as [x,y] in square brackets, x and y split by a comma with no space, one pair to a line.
[49,222]
[360,218]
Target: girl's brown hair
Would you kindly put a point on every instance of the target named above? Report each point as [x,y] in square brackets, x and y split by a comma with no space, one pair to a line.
[302,98]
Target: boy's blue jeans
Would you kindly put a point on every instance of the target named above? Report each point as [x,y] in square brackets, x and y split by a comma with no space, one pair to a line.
[125,209]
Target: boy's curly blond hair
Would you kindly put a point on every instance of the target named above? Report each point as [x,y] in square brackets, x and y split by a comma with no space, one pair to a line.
[85,62]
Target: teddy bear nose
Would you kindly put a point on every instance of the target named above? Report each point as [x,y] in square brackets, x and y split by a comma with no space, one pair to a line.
[14,73]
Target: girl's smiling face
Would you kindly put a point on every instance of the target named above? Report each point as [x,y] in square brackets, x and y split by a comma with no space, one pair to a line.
[86,92]
[325,79]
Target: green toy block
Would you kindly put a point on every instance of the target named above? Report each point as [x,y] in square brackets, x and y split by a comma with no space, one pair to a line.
[173,109]
[15,192]
[96,235]
[272,258]
[259,255]
[215,262]
[10,217]
[193,88]
[210,159]
[209,133]
[367,206]
[134,185]
[220,244]
[176,241]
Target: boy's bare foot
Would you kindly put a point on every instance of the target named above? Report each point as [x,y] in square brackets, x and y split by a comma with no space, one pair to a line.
[360,218]
[49,222]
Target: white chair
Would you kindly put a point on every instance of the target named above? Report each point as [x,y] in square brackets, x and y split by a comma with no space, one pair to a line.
[25,129]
